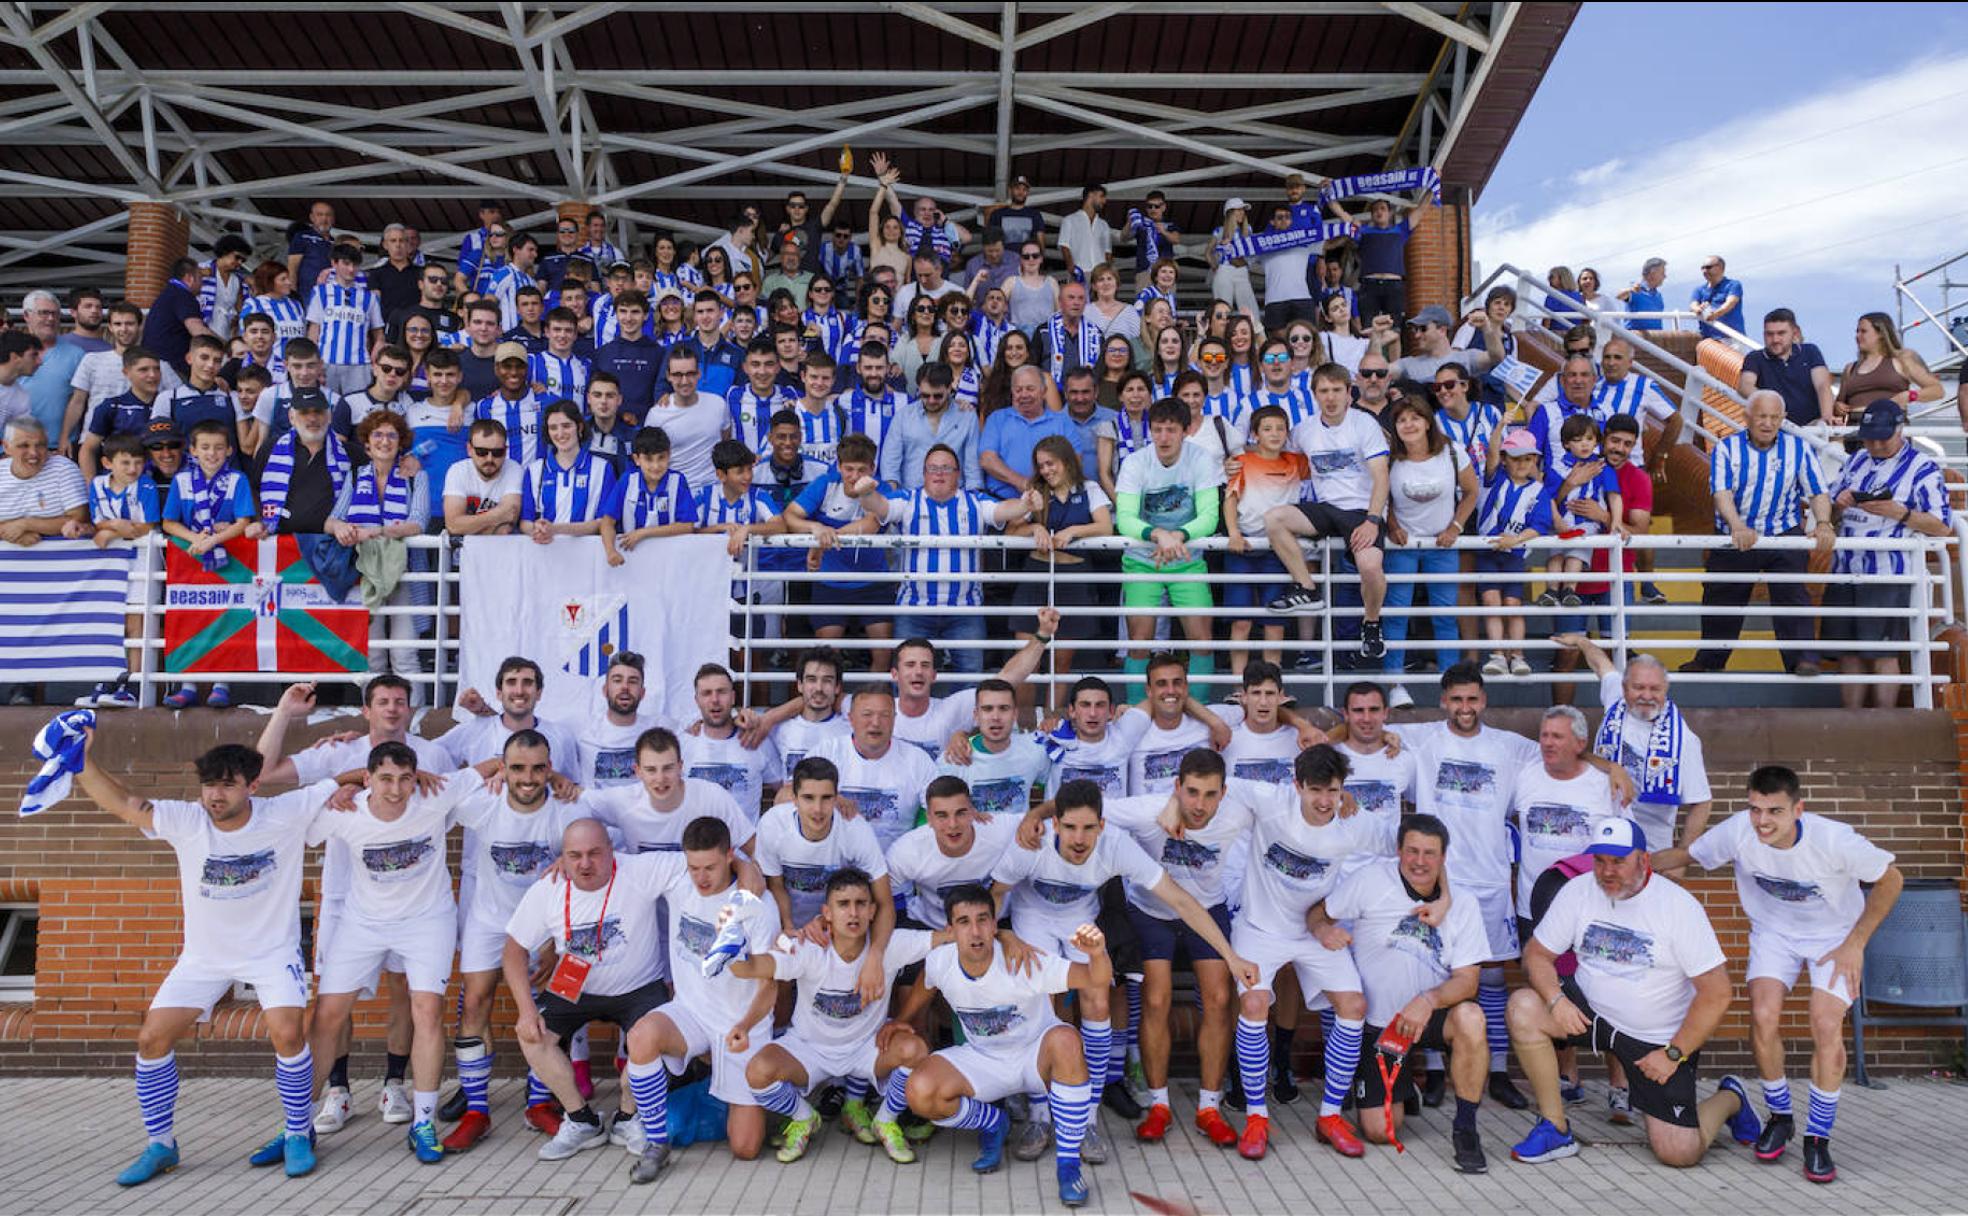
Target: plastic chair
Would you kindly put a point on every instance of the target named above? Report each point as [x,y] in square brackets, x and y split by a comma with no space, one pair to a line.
[1918,958]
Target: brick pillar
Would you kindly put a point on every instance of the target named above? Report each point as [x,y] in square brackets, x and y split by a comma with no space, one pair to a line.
[577,210]
[159,235]
[1438,253]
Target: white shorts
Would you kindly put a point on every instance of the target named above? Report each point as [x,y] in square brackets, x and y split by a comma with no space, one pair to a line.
[993,1076]
[824,1064]
[1319,969]
[1775,957]
[481,948]
[360,950]
[279,980]
[1043,933]
[1499,914]
[728,1082]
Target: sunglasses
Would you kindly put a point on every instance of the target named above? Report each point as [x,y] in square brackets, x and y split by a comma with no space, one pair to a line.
[487,452]
[1443,386]
[1030,257]
[165,447]
[924,308]
[1373,373]
[1213,358]
[436,279]
[1301,338]
[819,291]
[1277,357]
[391,369]
[567,231]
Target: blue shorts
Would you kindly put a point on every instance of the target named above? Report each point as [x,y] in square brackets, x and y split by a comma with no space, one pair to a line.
[867,595]
[1493,561]
[1159,938]
[1252,580]
[1581,622]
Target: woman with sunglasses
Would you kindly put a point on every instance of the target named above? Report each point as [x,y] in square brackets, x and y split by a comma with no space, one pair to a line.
[1215,320]
[717,273]
[915,345]
[1116,361]
[1474,426]
[1432,492]
[1013,353]
[956,352]
[956,311]
[1033,295]
[821,322]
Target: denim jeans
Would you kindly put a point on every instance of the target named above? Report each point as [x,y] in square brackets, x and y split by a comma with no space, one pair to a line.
[1439,595]
[964,625]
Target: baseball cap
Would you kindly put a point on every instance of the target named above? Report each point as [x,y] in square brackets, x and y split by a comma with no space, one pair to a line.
[1520,442]
[308,399]
[509,350]
[795,238]
[665,293]
[160,432]
[1234,204]
[1616,838]
[619,264]
[1021,180]
[1880,420]
[1434,314]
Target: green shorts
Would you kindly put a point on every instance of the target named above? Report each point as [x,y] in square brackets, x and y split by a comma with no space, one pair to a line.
[1146,594]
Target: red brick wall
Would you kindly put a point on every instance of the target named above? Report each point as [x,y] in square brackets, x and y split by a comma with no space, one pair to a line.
[109,903]
[1438,254]
[159,235]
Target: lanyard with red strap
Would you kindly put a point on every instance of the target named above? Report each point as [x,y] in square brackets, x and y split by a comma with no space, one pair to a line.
[570,974]
[1391,1048]
[567,915]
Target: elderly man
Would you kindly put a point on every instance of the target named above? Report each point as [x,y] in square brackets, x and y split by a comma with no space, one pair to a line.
[1892,490]
[396,279]
[1762,480]
[41,495]
[48,387]
[1644,295]
[1576,380]
[1622,390]
[1792,367]
[301,471]
[1557,800]
[1068,340]
[1651,987]
[1644,733]
[1004,450]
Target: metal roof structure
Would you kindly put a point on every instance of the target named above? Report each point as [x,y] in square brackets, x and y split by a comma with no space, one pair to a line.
[241,115]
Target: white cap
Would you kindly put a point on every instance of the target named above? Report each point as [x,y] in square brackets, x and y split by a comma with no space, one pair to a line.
[1235,204]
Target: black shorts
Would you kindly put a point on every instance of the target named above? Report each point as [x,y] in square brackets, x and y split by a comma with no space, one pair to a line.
[868,596]
[624,1009]
[1368,1089]
[1334,521]
[1841,598]
[1114,922]
[1085,609]
[1159,940]
[1672,1103]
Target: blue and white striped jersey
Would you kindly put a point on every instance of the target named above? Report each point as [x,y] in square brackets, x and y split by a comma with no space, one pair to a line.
[137,501]
[820,434]
[1296,402]
[1509,508]
[1771,485]
[346,316]
[751,414]
[564,379]
[964,513]
[1472,430]
[289,318]
[1914,480]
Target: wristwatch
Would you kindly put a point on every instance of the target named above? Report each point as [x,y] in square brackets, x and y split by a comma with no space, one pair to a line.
[1673,1054]
[1378,521]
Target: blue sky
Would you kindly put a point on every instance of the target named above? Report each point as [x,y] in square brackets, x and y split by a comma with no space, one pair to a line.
[1812,146]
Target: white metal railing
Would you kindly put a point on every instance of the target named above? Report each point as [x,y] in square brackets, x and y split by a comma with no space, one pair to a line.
[1949,320]
[1935,596]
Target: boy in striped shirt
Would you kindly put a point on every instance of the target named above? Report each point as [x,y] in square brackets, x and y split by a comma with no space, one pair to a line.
[655,502]
[346,321]
[123,506]
[759,396]
[559,373]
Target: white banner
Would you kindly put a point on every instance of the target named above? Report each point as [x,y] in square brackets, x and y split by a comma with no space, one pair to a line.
[563,606]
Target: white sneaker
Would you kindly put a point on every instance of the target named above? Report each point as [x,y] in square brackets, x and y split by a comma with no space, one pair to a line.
[627,1133]
[333,1112]
[394,1104]
[1497,665]
[1519,666]
[573,1137]
[1398,697]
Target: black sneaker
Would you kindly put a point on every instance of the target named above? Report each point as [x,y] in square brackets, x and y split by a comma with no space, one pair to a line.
[1650,593]
[1411,1105]
[1309,662]
[1817,1159]
[1434,1087]
[1233,1092]
[1371,645]
[1777,1130]
[1284,1086]
[1505,1094]
[1571,600]
[1298,599]
[1116,1098]
[1469,1157]
[1548,599]
[453,1108]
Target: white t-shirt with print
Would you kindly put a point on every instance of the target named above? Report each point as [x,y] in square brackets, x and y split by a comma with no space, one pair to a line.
[785,852]
[886,790]
[1340,457]
[1399,956]
[1808,892]
[241,889]
[616,929]
[1467,784]
[1555,819]
[1637,958]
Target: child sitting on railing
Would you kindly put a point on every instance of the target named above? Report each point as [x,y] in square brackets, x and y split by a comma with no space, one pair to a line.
[1516,508]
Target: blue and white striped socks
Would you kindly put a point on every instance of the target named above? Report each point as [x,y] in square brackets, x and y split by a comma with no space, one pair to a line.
[1342,1060]
[1824,1112]
[858,1088]
[1254,1064]
[1071,1105]
[1098,1039]
[475,1074]
[650,1085]
[895,1097]
[157,1096]
[1776,1096]
[1495,1001]
[293,1076]
[974,1116]
[781,1098]
[1133,1034]
[536,1090]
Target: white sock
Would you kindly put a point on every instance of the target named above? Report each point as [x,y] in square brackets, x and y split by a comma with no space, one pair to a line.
[425,1103]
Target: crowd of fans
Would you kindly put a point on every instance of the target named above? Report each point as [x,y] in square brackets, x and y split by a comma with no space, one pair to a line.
[793,375]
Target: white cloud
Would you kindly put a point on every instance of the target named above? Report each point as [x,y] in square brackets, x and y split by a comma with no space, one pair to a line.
[1840,185]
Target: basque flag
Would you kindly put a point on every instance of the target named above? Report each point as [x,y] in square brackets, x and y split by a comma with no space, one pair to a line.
[261,611]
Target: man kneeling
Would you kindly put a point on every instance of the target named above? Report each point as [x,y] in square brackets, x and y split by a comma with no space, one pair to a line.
[1420,983]
[1650,988]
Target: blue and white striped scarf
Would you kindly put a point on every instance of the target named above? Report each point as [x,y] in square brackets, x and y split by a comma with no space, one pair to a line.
[366,511]
[1660,776]
[205,495]
[985,334]
[59,748]
[1056,345]
[834,327]
[1273,240]
[1383,183]
[279,473]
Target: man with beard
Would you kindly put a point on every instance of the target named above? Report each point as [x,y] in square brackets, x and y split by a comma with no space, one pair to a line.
[1644,733]
[608,741]
[715,747]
